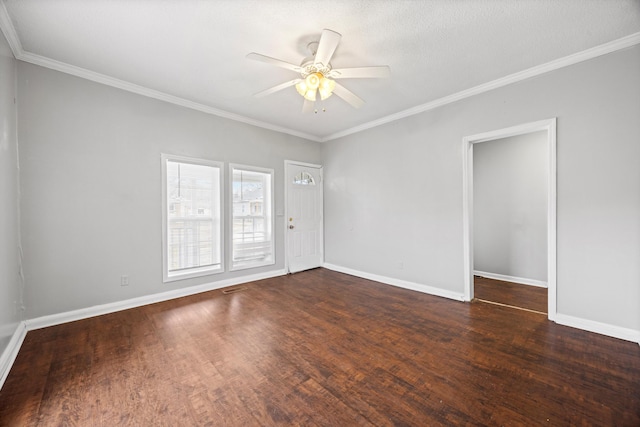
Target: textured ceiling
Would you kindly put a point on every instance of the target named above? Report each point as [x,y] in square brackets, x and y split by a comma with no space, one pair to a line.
[195,51]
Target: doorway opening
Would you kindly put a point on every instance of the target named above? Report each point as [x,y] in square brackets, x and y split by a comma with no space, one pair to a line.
[488,284]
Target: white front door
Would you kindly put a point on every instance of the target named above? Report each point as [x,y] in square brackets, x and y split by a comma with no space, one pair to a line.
[304,216]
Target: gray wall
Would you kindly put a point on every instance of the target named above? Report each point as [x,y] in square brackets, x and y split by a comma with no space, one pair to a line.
[90,180]
[91,185]
[10,288]
[510,206]
[394,193]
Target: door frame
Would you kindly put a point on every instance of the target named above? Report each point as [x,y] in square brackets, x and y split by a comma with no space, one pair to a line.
[468,142]
[287,167]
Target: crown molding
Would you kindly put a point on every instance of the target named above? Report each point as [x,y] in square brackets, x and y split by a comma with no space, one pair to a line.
[6,25]
[603,49]
[9,31]
[155,94]
[14,42]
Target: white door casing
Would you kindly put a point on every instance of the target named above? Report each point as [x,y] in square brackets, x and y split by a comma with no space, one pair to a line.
[303,219]
[467,189]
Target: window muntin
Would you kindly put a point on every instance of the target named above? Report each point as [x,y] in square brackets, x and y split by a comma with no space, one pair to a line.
[304,178]
[192,231]
[252,217]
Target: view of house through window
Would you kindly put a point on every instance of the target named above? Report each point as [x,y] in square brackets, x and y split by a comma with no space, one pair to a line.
[251,231]
[192,223]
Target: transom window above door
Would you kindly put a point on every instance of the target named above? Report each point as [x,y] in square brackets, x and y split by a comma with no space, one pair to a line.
[304,178]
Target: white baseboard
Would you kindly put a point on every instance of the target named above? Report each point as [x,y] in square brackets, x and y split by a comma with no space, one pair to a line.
[505,278]
[397,282]
[599,328]
[97,310]
[11,352]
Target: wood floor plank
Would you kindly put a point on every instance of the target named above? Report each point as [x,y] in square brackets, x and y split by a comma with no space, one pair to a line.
[512,294]
[321,348]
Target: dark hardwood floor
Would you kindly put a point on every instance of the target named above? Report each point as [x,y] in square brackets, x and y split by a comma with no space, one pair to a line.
[321,348]
[513,294]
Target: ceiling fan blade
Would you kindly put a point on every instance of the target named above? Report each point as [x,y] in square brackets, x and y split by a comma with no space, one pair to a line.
[277,88]
[354,100]
[361,72]
[274,61]
[307,107]
[328,43]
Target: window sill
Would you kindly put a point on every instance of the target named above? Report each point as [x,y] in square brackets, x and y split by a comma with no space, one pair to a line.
[252,265]
[191,273]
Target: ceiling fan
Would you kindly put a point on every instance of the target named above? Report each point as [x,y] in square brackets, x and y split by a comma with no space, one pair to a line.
[317,77]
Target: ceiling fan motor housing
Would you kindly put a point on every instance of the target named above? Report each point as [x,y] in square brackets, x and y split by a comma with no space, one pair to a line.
[309,66]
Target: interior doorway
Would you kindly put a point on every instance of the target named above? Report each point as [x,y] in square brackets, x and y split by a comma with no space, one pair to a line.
[510,221]
[548,127]
[303,218]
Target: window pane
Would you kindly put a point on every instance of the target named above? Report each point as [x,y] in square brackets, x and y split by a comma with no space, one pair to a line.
[252,242]
[193,217]
[304,178]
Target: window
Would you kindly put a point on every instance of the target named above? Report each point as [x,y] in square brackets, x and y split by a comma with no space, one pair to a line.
[192,232]
[304,178]
[252,213]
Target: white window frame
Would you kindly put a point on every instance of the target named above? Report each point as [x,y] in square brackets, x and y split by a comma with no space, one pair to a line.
[195,271]
[272,260]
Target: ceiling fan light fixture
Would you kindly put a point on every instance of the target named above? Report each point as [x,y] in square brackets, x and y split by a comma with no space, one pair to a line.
[313,80]
[324,95]
[305,91]
[301,87]
[326,88]
[310,95]
[313,84]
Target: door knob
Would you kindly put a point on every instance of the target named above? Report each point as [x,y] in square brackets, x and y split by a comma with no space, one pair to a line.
[291,227]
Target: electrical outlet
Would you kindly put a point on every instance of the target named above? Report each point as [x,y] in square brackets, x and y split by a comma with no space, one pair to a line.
[124,280]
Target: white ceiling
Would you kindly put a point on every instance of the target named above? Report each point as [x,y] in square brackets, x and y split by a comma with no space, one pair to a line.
[193,52]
